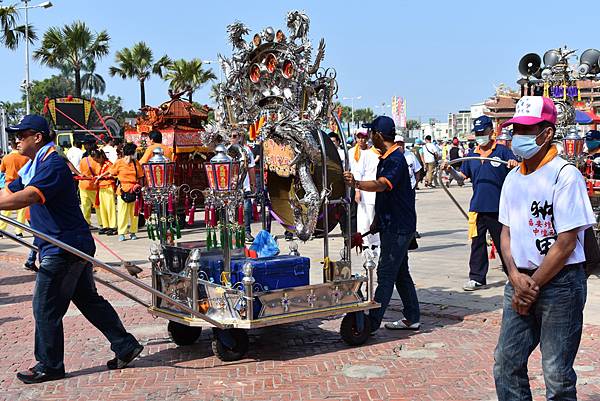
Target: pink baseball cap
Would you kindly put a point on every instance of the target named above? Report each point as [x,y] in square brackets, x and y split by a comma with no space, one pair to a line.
[533,110]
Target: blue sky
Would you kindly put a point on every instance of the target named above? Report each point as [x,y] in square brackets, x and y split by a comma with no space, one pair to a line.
[440,55]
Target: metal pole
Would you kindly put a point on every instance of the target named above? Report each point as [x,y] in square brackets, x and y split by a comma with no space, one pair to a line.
[96,278]
[348,254]
[263,189]
[3,134]
[109,269]
[327,272]
[27,107]
[461,159]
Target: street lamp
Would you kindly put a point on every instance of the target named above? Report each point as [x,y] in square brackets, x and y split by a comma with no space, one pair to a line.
[26,7]
[352,99]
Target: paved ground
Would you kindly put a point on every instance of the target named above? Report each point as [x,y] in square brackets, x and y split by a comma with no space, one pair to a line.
[449,359]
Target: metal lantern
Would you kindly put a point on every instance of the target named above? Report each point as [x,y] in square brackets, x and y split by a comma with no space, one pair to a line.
[159,171]
[573,144]
[505,138]
[222,171]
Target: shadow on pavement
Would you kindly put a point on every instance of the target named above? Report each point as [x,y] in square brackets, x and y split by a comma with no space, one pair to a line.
[9,319]
[15,280]
[17,299]
[442,232]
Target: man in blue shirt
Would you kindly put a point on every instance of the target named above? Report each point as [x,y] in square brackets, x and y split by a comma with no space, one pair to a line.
[395,219]
[46,186]
[487,179]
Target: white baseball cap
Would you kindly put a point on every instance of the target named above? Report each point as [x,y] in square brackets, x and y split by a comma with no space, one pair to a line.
[399,138]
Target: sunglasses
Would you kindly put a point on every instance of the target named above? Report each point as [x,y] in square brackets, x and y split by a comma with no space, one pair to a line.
[25,134]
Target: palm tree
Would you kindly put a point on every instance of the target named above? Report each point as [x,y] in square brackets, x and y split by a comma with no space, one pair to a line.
[187,76]
[90,81]
[10,32]
[72,46]
[138,62]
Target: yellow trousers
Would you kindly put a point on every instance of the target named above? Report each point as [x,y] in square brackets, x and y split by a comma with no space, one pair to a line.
[87,203]
[107,212]
[20,219]
[125,217]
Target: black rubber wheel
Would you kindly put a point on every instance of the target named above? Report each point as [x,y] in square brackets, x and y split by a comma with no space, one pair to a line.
[182,334]
[235,353]
[351,333]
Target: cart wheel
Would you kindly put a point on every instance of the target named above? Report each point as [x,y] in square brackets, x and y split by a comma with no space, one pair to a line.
[230,345]
[351,333]
[182,334]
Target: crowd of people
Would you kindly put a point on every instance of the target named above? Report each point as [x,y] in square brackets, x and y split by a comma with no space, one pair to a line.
[536,211]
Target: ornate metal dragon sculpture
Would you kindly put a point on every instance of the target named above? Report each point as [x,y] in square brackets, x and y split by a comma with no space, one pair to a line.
[272,77]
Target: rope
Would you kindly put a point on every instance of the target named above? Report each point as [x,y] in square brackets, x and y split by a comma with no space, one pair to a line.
[79,125]
[100,117]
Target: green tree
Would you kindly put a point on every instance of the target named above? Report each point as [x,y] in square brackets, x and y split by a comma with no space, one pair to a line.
[14,111]
[138,62]
[187,76]
[71,47]
[11,33]
[412,124]
[92,82]
[55,86]
[363,115]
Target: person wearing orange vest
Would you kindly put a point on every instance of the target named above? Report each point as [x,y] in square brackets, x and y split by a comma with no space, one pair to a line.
[155,138]
[106,191]
[129,173]
[10,166]
[88,188]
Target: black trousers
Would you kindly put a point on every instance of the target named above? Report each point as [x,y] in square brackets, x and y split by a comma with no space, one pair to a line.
[478,262]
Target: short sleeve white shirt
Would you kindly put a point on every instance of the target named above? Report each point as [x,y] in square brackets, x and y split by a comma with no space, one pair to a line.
[542,204]
[413,167]
[250,164]
[429,150]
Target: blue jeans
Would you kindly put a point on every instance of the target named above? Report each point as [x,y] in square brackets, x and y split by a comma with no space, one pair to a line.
[60,280]
[555,322]
[393,270]
[32,257]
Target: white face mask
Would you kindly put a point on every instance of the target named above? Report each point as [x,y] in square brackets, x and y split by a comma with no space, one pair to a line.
[482,140]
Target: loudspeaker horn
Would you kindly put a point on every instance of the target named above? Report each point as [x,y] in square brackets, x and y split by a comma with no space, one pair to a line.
[530,64]
[589,62]
[551,57]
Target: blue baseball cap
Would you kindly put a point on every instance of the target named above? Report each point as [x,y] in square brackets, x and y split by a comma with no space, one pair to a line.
[384,125]
[592,135]
[31,122]
[481,123]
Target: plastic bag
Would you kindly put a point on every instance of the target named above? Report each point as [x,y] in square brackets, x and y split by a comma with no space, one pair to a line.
[265,245]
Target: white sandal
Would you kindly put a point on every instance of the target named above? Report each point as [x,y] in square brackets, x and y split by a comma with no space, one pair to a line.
[401,325]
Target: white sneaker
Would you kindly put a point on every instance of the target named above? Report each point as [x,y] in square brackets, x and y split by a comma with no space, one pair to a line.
[402,325]
[473,285]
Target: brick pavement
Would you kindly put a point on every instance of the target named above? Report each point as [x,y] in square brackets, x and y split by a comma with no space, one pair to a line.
[449,359]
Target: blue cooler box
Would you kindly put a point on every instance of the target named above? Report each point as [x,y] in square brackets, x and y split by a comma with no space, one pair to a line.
[274,272]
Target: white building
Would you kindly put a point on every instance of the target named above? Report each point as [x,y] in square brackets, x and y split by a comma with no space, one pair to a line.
[478,109]
[459,124]
[437,130]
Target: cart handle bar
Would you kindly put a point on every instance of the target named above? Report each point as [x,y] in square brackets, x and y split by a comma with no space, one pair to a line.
[461,159]
[109,269]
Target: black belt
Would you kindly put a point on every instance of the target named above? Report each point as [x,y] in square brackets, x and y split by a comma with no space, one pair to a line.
[530,272]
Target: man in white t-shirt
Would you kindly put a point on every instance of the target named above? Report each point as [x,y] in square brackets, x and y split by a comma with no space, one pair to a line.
[544,209]
[249,182]
[414,167]
[363,165]
[75,153]
[110,150]
[430,153]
